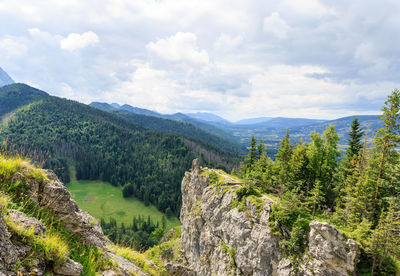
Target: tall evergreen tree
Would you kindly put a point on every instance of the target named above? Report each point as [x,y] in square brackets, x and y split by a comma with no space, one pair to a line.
[387,137]
[329,164]
[261,150]
[252,156]
[315,155]
[283,158]
[355,134]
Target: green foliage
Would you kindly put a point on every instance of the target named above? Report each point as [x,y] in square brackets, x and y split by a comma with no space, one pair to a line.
[283,162]
[139,259]
[103,200]
[53,247]
[355,144]
[231,252]
[213,178]
[246,190]
[251,157]
[296,245]
[59,242]
[360,195]
[143,233]
[221,143]
[59,133]
[287,212]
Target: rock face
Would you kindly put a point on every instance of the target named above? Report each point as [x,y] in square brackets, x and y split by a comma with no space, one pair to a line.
[330,252]
[219,239]
[53,195]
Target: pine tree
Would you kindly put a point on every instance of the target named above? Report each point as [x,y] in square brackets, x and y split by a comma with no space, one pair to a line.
[252,156]
[261,150]
[385,238]
[315,156]
[329,164]
[298,168]
[355,134]
[387,137]
[283,160]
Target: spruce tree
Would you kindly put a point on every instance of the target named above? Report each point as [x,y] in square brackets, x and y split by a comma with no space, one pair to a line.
[252,156]
[329,164]
[261,150]
[355,134]
[283,158]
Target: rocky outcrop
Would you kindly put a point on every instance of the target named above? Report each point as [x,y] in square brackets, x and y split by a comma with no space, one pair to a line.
[221,238]
[50,193]
[53,195]
[329,252]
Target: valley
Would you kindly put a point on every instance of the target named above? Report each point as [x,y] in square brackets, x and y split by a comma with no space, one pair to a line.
[104,201]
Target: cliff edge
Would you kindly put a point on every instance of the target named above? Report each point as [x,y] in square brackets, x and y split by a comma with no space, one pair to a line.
[42,230]
[221,236]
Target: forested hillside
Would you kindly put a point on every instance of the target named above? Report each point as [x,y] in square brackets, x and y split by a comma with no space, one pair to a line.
[183,128]
[70,137]
[178,123]
[360,194]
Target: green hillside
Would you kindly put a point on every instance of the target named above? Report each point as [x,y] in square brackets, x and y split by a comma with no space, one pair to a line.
[184,128]
[101,146]
[179,123]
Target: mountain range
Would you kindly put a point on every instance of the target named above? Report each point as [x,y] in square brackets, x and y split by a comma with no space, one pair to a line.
[270,129]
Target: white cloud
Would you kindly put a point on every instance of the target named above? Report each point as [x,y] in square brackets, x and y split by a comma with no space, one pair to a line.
[79,41]
[305,58]
[11,47]
[274,25]
[225,43]
[179,48]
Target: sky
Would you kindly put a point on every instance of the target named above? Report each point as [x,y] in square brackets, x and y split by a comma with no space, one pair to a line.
[238,59]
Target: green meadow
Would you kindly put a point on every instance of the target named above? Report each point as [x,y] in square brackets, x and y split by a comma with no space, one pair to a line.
[102,200]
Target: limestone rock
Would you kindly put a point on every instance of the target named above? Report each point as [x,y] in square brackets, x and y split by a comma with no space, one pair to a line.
[52,194]
[12,251]
[69,268]
[179,270]
[330,252]
[27,222]
[126,267]
[219,239]
[9,252]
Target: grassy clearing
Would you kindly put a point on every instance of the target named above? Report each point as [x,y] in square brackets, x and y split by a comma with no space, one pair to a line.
[102,200]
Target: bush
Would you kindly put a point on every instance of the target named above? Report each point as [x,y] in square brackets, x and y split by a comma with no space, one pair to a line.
[247,190]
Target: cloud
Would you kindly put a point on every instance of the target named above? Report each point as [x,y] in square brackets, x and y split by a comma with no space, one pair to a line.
[11,47]
[179,48]
[311,58]
[225,43]
[79,41]
[274,25]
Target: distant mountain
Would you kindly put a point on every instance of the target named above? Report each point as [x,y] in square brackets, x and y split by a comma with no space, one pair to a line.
[251,121]
[205,130]
[208,117]
[270,129]
[5,79]
[125,107]
[273,135]
[103,106]
[137,110]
